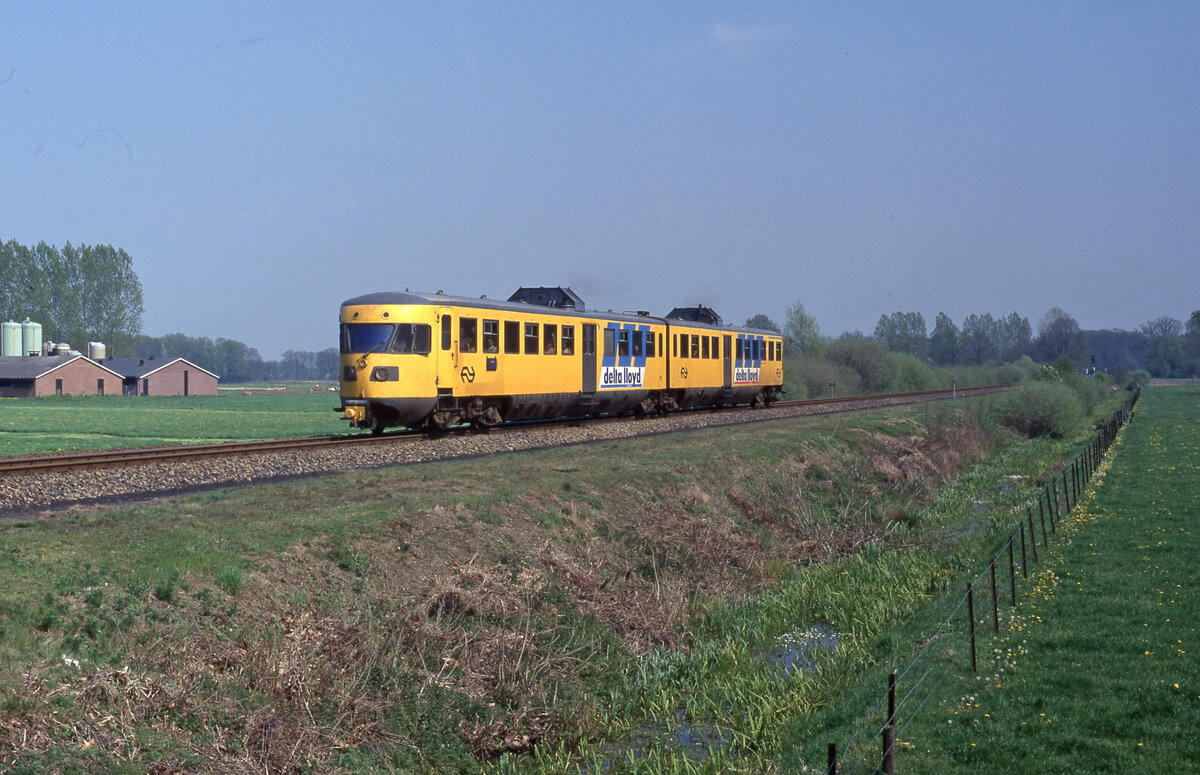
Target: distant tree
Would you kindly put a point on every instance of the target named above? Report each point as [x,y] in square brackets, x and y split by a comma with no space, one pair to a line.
[1014,336]
[1117,346]
[78,294]
[762,322]
[1059,334]
[238,362]
[903,332]
[1191,339]
[980,339]
[800,331]
[1166,351]
[944,345]
[866,357]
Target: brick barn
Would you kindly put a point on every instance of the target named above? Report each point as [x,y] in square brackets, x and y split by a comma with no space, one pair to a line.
[56,375]
[163,377]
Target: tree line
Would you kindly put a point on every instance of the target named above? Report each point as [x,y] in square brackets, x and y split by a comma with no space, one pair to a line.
[79,294]
[1164,347]
[235,361]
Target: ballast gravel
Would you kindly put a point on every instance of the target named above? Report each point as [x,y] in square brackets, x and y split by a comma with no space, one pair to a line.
[27,494]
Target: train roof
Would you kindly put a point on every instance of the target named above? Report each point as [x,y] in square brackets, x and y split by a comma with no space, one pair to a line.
[410,298]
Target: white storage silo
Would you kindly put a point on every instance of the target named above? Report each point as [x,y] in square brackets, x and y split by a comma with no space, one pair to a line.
[10,340]
[31,338]
[97,351]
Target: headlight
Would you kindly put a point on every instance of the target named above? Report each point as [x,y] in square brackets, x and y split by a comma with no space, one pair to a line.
[350,374]
[385,374]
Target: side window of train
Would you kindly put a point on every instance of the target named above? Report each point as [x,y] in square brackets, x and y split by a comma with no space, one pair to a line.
[683,349]
[610,343]
[674,345]
[695,345]
[704,347]
[568,340]
[422,337]
[446,332]
[468,331]
[531,338]
[512,337]
[649,344]
[622,344]
[491,336]
[550,339]
[716,347]
[660,344]
[636,337]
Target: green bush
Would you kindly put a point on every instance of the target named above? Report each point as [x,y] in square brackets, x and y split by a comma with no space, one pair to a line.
[866,357]
[1042,409]
[817,373]
[908,373]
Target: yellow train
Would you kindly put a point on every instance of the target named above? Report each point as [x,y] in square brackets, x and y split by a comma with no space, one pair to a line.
[431,360]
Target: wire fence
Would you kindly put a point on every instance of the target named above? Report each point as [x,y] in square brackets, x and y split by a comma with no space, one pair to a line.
[871,747]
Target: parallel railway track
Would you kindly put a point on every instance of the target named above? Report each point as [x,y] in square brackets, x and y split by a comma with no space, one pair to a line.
[127,457]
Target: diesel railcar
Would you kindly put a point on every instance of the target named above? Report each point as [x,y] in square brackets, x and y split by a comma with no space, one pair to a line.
[431,360]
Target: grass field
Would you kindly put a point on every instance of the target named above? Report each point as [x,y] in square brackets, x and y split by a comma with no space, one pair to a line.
[1095,670]
[553,611]
[68,423]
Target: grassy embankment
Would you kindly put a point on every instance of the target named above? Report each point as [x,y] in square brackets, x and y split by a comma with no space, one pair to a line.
[67,423]
[583,604]
[1096,670]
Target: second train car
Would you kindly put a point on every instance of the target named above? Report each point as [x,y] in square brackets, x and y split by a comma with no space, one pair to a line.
[431,360]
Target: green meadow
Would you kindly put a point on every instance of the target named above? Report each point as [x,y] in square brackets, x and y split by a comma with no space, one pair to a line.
[71,423]
[1095,669]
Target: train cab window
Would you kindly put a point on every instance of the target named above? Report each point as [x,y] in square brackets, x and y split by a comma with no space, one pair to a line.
[468,335]
[636,337]
[446,332]
[622,344]
[704,347]
[550,339]
[512,337]
[491,336]
[531,338]
[649,344]
[610,343]
[695,345]
[411,338]
[568,340]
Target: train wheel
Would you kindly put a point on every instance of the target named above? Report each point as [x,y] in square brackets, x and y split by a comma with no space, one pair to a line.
[375,426]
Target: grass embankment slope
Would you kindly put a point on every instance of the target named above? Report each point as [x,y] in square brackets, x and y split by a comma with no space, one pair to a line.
[1098,668]
[578,604]
[71,423]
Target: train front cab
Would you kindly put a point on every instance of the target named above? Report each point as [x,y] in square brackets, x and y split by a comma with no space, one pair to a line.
[387,367]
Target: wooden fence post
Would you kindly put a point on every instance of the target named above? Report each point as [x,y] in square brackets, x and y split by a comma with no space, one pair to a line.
[995,602]
[1012,573]
[971,621]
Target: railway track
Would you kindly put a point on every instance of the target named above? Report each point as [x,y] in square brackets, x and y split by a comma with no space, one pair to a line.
[73,461]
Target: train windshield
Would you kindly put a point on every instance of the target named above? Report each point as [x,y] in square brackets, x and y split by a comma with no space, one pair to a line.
[365,337]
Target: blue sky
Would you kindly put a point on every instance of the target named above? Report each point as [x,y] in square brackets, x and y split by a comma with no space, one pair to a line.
[263,162]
